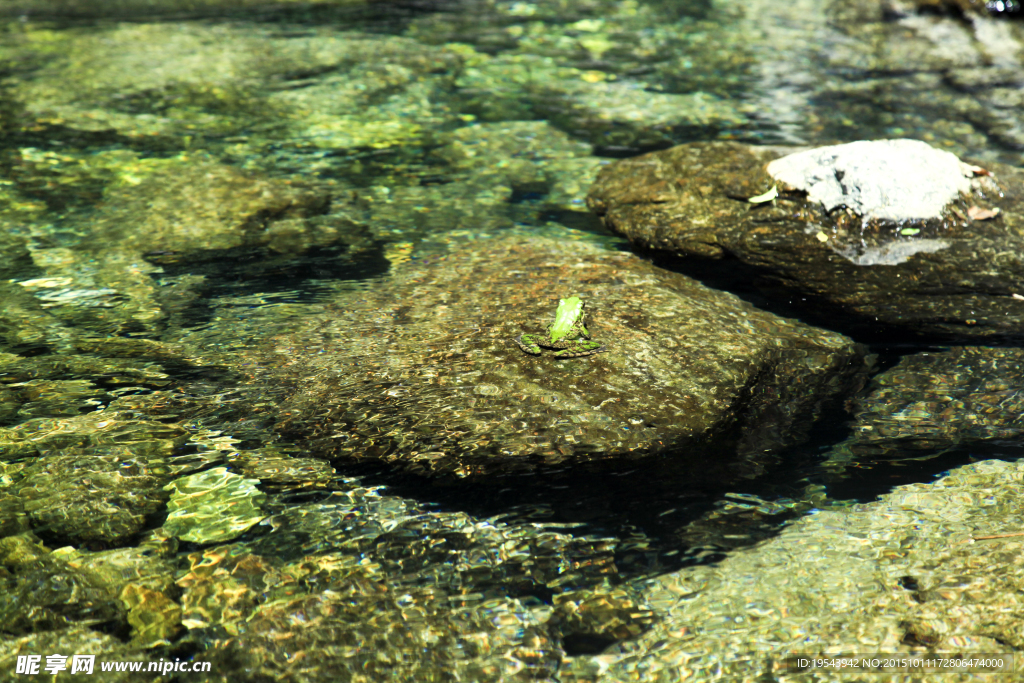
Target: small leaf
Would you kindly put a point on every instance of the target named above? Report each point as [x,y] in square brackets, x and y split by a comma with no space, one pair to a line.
[910,231]
[766,197]
[822,237]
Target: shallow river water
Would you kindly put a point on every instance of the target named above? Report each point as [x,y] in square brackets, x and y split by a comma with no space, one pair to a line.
[212,214]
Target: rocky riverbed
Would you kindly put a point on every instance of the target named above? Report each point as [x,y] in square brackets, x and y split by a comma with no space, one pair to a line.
[264,266]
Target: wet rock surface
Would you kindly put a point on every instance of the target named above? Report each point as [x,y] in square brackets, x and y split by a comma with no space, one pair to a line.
[172,79]
[178,9]
[614,115]
[156,214]
[213,506]
[939,74]
[91,497]
[46,594]
[689,372]
[223,209]
[337,606]
[955,275]
[78,639]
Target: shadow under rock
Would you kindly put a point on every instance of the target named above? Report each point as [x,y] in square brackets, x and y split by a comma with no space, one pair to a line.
[765,290]
[867,480]
[663,514]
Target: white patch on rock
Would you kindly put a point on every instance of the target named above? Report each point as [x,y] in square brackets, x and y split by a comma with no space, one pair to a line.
[883,179]
[891,254]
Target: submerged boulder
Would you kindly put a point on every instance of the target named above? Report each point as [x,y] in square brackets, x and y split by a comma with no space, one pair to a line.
[213,506]
[875,236]
[935,400]
[610,114]
[926,568]
[422,370]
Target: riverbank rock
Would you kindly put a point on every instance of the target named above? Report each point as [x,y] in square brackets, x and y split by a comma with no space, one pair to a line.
[421,371]
[872,236]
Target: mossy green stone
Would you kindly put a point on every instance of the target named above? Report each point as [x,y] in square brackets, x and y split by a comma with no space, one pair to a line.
[213,506]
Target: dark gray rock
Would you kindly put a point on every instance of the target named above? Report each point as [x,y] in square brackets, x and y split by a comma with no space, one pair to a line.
[957,275]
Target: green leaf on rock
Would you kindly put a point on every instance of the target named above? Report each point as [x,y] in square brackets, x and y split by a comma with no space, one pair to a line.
[766,197]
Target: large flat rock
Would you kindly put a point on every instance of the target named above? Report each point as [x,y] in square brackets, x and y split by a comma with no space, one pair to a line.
[421,371]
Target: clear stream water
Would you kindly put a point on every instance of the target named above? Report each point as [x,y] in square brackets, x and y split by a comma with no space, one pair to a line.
[104,107]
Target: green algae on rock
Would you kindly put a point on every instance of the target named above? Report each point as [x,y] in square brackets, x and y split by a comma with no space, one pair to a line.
[80,640]
[135,9]
[17,550]
[427,588]
[46,594]
[95,430]
[609,614]
[213,506]
[479,557]
[276,471]
[341,616]
[142,580]
[531,157]
[155,619]
[949,396]
[420,371]
[924,72]
[150,214]
[191,203]
[621,75]
[24,369]
[863,272]
[175,81]
[92,497]
[92,477]
[612,114]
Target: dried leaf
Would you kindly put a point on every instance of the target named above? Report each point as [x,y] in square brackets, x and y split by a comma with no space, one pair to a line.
[978,170]
[977,213]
